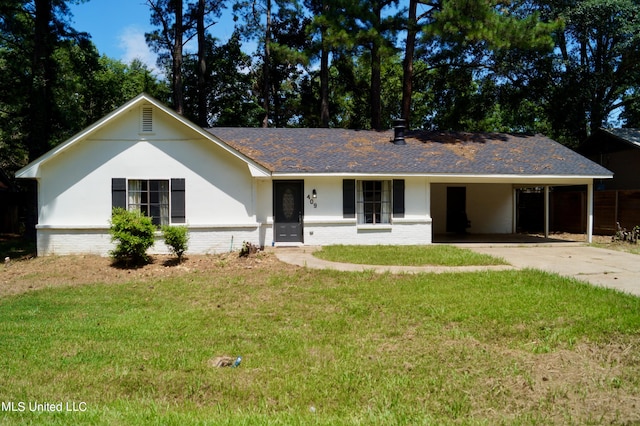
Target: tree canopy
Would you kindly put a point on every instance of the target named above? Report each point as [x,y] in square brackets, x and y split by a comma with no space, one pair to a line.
[563,68]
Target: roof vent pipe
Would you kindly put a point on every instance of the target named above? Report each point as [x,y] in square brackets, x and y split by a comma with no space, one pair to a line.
[398,131]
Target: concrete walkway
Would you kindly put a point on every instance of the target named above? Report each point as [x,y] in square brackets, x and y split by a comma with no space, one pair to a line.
[602,267]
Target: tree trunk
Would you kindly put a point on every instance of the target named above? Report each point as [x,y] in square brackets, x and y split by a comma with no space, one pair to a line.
[178,98]
[376,84]
[407,80]
[324,74]
[376,79]
[43,76]
[267,68]
[202,68]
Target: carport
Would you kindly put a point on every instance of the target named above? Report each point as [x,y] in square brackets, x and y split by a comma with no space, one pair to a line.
[490,204]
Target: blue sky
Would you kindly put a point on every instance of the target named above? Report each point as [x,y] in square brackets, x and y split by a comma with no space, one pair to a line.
[117,28]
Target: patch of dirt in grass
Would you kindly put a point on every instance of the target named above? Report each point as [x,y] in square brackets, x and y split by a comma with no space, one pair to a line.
[589,383]
[565,236]
[24,275]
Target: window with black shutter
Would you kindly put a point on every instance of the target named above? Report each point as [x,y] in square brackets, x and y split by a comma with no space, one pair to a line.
[349,198]
[398,198]
[163,200]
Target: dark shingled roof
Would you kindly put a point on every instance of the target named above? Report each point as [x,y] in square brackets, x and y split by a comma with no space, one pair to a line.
[610,140]
[295,150]
[631,136]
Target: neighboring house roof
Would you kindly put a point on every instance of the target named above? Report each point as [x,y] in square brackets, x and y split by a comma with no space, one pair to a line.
[335,151]
[611,140]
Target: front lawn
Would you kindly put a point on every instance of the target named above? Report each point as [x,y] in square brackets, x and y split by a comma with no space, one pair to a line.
[440,255]
[318,347]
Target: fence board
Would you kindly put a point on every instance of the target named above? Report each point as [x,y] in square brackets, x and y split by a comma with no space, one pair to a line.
[568,213]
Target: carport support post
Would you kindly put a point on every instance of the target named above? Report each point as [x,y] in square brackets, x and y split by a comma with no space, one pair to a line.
[546,211]
[590,212]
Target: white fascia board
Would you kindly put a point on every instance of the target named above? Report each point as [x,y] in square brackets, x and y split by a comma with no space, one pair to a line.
[519,179]
[253,166]
[32,170]
[445,178]
[257,171]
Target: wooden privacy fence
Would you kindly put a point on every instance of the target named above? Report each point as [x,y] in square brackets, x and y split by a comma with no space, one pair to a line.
[568,211]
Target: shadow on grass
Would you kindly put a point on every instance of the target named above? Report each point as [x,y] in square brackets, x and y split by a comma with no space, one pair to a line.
[141,263]
[173,261]
[131,263]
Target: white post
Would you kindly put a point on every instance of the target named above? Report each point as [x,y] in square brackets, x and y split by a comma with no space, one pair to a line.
[590,212]
[514,211]
[546,211]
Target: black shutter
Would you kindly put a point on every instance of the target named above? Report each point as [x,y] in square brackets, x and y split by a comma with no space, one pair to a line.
[349,198]
[178,214]
[398,198]
[119,193]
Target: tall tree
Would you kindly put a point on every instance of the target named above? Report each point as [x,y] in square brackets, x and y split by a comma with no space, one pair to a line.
[43,77]
[31,32]
[228,85]
[257,16]
[202,63]
[410,46]
[168,42]
[465,34]
[599,62]
[373,26]
[321,11]
[54,83]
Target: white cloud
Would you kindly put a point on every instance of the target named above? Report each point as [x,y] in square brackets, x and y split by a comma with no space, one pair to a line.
[132,42]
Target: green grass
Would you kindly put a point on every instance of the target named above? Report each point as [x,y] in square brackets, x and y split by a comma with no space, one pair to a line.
[323,347]
[441,255]
[619,246]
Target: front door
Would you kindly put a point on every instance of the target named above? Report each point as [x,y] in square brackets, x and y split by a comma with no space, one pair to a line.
[288,205]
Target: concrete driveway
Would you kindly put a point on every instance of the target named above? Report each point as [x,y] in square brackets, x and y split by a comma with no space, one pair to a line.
[602,267]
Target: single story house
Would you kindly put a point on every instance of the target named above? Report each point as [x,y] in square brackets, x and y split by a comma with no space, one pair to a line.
[619,151]
[617,200]
[286,185]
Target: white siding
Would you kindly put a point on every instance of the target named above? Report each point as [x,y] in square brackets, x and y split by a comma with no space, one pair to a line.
[75,187]
[324,223]
[489,207]
[65,241]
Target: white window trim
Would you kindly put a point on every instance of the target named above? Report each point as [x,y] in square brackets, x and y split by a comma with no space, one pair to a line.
[386,208]
[129,195]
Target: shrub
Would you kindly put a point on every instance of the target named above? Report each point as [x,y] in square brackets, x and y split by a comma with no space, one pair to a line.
[176,238]
[248,249]
[133,234]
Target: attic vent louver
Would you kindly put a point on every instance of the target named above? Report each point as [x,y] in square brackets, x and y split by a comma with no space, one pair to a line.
[147,119]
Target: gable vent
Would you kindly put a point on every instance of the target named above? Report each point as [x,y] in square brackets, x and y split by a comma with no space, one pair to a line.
[147,119]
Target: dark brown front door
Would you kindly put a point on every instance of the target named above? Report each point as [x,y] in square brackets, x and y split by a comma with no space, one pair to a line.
[288,204]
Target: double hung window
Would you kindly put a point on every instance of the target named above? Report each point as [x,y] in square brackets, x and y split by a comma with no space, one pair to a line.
[151,197]
[163,200]
[373,201]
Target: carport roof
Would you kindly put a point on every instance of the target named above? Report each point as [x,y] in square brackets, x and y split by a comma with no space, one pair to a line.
[343,151]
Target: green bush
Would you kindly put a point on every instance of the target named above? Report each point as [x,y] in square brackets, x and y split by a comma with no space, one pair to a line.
[176,238]
[133,234]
